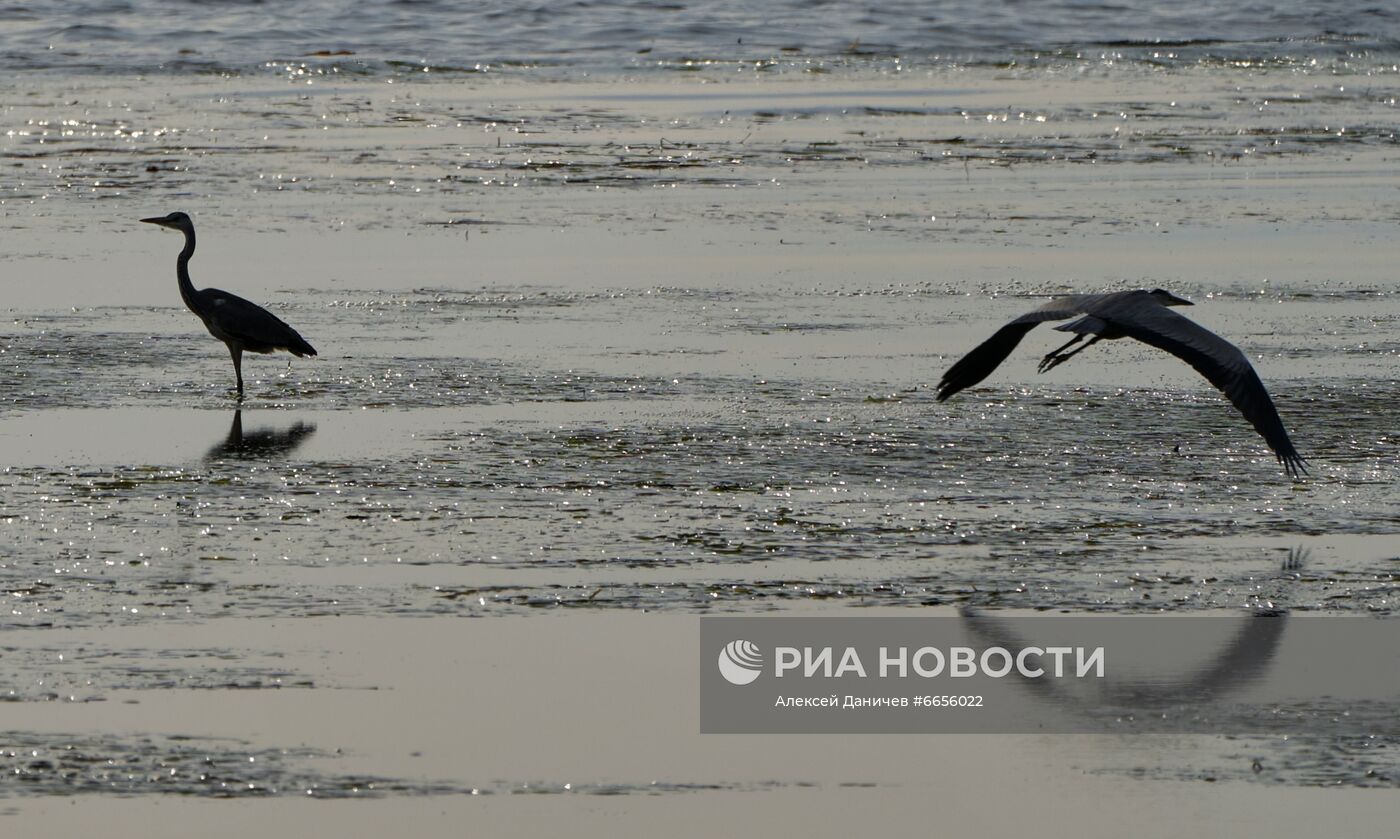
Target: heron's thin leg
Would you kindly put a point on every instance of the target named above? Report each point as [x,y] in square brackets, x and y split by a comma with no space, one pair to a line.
[237,353]
[1054,359]
[1049,360]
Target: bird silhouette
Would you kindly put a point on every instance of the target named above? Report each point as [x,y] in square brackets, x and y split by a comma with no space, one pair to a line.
[240,324]
[1143,315]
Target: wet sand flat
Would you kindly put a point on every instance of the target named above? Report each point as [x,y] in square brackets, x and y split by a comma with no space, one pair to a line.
[520,725]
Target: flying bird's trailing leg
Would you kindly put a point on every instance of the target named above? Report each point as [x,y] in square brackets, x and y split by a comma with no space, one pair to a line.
[1056,357]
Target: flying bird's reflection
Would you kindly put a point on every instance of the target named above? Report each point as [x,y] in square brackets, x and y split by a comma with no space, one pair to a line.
[1240,660]
[261,442]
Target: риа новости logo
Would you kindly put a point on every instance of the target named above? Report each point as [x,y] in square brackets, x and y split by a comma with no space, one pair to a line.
[740,662]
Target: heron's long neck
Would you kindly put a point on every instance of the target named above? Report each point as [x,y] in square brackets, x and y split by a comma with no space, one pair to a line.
[182,269]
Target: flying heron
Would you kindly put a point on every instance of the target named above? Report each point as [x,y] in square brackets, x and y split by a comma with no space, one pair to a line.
[238,323]
[1142,315]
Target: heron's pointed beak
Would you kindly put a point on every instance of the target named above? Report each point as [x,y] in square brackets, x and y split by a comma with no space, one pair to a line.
[158,220]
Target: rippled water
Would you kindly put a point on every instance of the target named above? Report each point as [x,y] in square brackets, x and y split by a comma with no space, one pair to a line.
[634,308]
[218,37]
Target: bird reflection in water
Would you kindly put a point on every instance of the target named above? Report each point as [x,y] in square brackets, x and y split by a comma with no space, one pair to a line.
[261,442]
[1241,659]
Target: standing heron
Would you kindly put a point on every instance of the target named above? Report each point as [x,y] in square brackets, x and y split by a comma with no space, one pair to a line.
[238,323]
[1142,315]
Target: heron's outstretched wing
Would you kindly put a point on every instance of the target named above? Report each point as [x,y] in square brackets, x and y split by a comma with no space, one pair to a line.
[1219,361]
[988,355]
[258,329]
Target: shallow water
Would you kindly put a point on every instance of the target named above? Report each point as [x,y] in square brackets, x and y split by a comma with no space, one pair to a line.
[605,331]
[607,35]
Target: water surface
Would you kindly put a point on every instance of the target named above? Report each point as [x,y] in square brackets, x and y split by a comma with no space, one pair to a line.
[632,315]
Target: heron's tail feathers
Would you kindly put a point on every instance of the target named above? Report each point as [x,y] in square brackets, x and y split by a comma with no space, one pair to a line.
[300,348]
